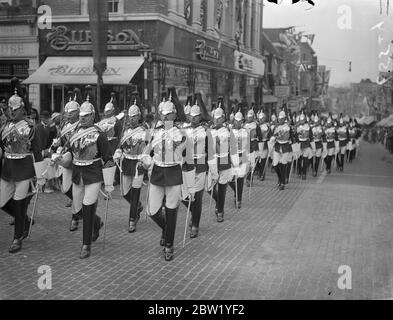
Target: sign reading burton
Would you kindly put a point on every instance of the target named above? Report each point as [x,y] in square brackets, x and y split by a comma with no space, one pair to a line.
[62,39]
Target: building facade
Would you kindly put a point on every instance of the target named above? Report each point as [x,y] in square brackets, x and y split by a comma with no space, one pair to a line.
[211,47]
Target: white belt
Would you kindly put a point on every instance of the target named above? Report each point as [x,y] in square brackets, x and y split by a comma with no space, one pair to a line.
[317,140]
[130,157]
[303,139]
[329,140]
[282,142]
[16,155]
[342,139]
[166,165]
[223,155]
[83,163]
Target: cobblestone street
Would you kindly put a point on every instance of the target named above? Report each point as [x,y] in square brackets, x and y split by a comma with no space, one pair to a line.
[280,245]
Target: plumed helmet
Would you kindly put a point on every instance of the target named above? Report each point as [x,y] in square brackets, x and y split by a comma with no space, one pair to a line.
[134,110]
[110,106]
[86,107]
[238,116]
[72,105]
[282,114]
[15,101]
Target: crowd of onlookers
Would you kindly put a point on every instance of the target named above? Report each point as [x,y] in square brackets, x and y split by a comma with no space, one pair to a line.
[383,135]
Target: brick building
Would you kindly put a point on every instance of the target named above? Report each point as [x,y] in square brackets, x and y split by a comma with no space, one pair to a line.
[212,47]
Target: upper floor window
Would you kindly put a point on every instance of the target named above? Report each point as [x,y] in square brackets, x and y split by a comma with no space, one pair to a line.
[113,6]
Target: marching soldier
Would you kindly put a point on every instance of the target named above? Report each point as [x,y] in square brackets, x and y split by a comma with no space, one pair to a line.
[220,170]
[266,133]
[282,136]
[241,147]
[254,132]
[110,124]
[197,135]
[304,137]
[92,164]
[330,137]
[318,135]
[352,132]
[62,155]
[342,133]
[132,145]
[22,153]
[166,144]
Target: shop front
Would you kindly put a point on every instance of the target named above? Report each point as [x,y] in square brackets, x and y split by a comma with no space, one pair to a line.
[67,63]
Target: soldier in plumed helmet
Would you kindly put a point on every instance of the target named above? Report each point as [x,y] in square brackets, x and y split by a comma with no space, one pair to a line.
[197,136]
[61,154]
[21,151]
[330,138]
[240,156]
[304,138]
[164,153]
[110,124]
[220,169]
[318,135]
[255,135]
[282,138]
[129,153]
[92,164]
[266,133]
[343,136]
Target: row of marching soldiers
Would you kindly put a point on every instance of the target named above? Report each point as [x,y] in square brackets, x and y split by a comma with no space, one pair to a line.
[184,153]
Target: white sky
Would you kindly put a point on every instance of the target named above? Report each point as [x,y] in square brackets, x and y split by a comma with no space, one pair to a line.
[359,44]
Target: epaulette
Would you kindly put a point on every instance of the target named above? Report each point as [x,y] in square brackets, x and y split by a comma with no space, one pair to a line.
[98,128]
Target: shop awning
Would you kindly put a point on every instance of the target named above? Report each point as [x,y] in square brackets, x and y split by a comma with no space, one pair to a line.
[79,70]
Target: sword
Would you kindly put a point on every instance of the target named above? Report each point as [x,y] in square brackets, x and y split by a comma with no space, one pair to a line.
[185,228]
[147,200]
[37,191]
[106,215]
[210,204]
[290,170]
[237,208]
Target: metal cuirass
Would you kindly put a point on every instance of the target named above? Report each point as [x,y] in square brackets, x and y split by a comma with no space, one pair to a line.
[317,133]
[133,142]
[282,132]
[17,139]
[265,131]
[330,133]
[85,149]
[303,132]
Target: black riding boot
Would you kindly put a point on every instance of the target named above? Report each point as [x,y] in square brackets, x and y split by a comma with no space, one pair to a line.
[316,165]
[347,154]
[171,218]
[69,193]
[88,222]
[9,207]
[222,190]
[277,169]
[134,209]
[262,165]
[159,219]
[283,175]
[342,162]
[19,227]
[128,196]
[287,171]
[240,185]
[196,213]
[305,166]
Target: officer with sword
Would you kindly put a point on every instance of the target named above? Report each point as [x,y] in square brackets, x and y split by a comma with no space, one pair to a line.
[21,151]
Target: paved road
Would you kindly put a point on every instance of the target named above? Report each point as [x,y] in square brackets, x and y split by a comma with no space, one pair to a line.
[280,245]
